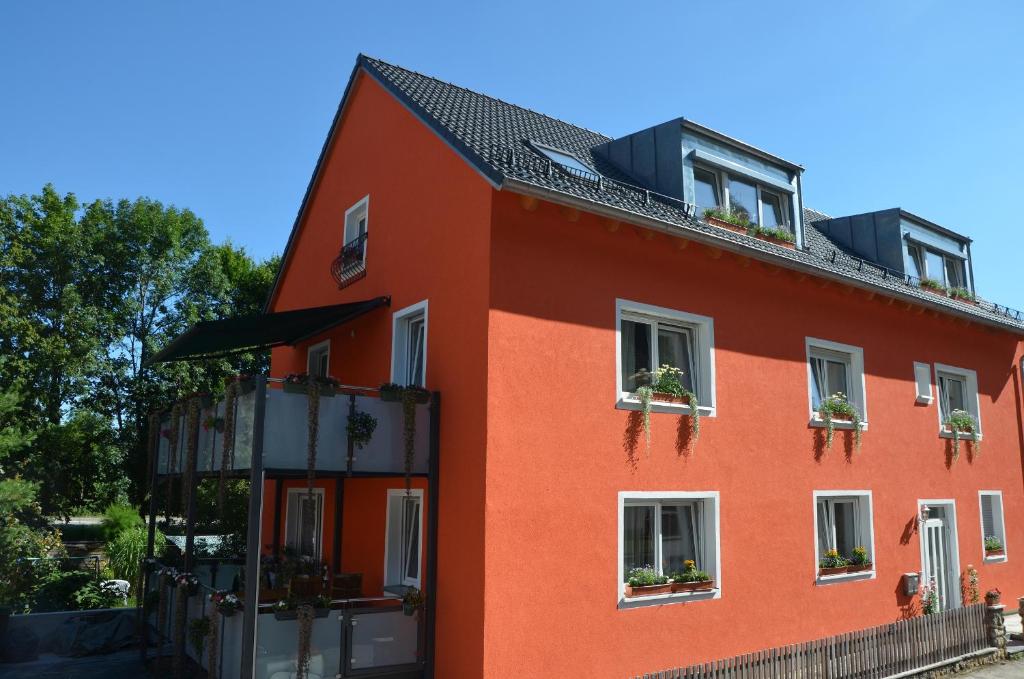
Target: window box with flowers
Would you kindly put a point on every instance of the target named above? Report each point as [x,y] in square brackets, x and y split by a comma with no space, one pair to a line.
[738,221]
[690,579]
[646,581]
[994,546]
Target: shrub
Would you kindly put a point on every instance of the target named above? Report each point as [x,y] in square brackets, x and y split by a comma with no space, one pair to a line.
[94,595]
[644,577]
[128,549]
[56,590]
[119,518]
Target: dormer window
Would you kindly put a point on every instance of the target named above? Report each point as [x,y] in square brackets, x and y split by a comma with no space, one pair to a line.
[745,197]
[566,160]
[926,263]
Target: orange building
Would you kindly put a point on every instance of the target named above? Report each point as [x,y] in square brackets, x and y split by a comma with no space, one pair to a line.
[651,353]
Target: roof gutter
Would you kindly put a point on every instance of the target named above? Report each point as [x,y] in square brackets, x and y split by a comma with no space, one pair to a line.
[526,188]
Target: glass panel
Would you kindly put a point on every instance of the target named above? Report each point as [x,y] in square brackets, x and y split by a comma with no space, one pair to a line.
[953,394]
[846,532]
[411,538]
[414,360]
[638,538]
[636,355]
[771,207]
[675,349]
[837,382]
[936,266]
[705,188]
[276,648]
[743,198]
[566,159]
[916,263]
[954,273]
[819,385]
[677,538]
[824,529]
[383,639]
[987,516]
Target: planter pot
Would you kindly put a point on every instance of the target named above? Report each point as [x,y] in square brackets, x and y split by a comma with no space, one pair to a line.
[662,397]
[992,600]
[995,552]
[746,232]
[391,395]
[858,567]
[294,615]
[700,586]
[648,590]
[939,293]
[833,571]
[293,388]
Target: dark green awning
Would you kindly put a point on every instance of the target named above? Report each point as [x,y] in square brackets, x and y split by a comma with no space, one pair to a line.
[211,339]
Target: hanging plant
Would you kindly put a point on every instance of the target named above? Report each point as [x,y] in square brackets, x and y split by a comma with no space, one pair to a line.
[312,429]
[191,449]
[409,434]
[306,614]
[645,395]
[212,650]
[227,453]
[668,386]
[360,428]
[172,454]
[180,616]
[962,422]
[836,406]
[391,392]
[198,631]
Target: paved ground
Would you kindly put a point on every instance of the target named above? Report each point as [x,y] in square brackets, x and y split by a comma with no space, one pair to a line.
[122,665]
[1008,670]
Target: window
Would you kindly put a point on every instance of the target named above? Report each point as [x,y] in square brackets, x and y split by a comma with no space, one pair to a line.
[565,159]
[304,521]
[945,268]
[663,530]
[843,522]
[835,368]
[993,532]
[957,390]
[356,221]
[650,337]
[403,549]
[318,359]
[409,346]
[761,205]
[923,382]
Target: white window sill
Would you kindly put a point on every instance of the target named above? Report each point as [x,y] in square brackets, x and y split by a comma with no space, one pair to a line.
[816,421]
[946,434]
[629,403]
[674,598]
[844,577]
[995,559]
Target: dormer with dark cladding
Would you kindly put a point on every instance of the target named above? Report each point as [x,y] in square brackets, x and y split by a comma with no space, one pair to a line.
[690,162]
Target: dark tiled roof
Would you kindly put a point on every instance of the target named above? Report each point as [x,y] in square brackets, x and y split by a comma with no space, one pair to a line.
[493,135]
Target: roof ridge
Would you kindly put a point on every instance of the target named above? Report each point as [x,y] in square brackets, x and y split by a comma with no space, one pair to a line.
[374,61]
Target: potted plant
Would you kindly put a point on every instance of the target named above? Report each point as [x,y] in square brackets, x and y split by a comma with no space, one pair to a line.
[666,386]
[933,286]
[739,221]
[188,581]
[226,603]
[412,600]
[837,407]
[645,581]
[992,597]
[929,599]
[859,560]
[690,579]
[962,422]
[963,294]
[832,564]
[390,392]
[360,428]
[994,546]
[198,630]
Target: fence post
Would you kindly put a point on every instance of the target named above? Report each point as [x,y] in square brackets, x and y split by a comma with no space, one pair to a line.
[995,628]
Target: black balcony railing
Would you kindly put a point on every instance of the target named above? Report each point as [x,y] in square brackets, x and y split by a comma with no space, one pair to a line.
[350,264]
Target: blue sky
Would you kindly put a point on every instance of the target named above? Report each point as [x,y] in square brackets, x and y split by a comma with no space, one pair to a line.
[222,107]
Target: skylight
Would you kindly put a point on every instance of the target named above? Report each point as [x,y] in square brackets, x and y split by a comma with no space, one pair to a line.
[565,159]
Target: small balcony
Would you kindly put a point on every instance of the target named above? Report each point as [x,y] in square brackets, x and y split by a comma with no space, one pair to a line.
[350,264]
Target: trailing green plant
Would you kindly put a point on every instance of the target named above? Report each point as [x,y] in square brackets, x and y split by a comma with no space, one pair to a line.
[932,284]
[645,394]
[835,407]
[962,422]
[963,294]
[360,428]
[735,217]
[645,576]
[411,395]
[119,518]
[305,620]
[993,543]
[198,630]
[669,380]
[833,559]
[859,556]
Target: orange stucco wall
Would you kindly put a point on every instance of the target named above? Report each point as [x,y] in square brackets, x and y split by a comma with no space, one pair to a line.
[556,458]
[428,239]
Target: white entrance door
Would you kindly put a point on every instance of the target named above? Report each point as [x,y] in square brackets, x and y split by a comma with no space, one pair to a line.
[938,569]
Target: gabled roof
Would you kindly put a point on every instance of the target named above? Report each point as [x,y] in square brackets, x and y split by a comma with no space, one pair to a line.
[493,136]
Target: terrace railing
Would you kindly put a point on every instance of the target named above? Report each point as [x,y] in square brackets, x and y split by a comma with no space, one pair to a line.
[885,651]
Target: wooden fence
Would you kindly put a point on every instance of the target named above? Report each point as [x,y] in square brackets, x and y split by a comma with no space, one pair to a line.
[874,653]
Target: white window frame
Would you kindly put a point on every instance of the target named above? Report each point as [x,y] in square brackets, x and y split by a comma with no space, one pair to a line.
[352,215]
[712,543]
[406,581]
[855,378]
[866,509]
[703,329]
[925,272]
[923,378]
[316,349]
[1000,518]
[972,399]
[723,178]
[400,340]
[320,522]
